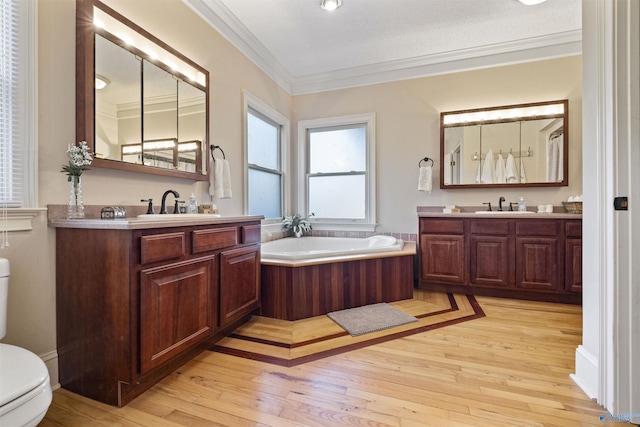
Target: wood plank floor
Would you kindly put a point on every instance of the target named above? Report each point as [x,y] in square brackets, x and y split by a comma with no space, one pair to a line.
[508,368]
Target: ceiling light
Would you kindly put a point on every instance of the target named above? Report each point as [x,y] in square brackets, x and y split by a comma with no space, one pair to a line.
[101,82]
[330,4]
[531,2]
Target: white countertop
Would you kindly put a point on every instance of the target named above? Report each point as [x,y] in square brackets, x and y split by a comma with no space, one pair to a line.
[136,223]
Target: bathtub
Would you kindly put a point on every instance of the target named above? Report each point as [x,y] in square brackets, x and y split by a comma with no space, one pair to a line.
[321,247]
[312,276]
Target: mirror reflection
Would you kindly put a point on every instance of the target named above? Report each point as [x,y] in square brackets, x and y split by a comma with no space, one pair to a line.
[518,145]
[150,115]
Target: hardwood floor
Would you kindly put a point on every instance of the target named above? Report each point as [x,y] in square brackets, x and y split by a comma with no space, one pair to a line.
[509,368]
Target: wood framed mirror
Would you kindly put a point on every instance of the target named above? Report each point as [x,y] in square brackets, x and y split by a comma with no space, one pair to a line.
[527,145]
[132,89]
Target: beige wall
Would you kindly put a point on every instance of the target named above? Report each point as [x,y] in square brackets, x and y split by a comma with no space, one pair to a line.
[407,129]
[408,117]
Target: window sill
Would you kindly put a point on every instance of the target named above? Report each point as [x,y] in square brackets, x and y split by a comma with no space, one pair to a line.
[19,219]
[343,226]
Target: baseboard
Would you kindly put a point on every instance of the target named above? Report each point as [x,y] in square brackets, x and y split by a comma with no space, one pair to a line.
[586,376]
[50,359]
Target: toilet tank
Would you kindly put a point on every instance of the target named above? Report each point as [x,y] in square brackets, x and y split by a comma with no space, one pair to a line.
[4,290]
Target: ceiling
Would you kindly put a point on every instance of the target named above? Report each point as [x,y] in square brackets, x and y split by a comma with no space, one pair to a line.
[306,49]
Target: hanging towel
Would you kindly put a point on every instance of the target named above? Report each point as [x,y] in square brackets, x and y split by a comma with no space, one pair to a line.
[523,176]
[479,172]
[219,179]
[489,169]
[510,170]
[501,176]
[424,180]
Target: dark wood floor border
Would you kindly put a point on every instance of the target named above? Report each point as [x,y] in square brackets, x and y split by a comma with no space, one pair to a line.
[453,307]
[478,313]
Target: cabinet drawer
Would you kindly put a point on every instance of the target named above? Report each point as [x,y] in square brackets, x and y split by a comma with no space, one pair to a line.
[537,228]
[573,229]
[442,226]
[491,227]
[215,238]
[250,233]
[161,247]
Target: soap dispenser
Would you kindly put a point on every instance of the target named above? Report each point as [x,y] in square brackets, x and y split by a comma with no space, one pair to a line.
[192,204]
[522,205]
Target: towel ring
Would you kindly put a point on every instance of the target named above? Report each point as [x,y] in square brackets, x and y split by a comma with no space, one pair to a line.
[426,159]
[216,147]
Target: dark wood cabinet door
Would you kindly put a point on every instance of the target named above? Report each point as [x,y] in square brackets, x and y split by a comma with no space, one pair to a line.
[442,258]
[489,263]
[537,263]
[573,265]
[239,283]
[177,309]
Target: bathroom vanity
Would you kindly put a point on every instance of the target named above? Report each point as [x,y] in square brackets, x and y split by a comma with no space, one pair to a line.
[531,256]
[137,298]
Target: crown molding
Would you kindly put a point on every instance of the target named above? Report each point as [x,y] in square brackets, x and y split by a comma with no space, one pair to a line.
[520,51]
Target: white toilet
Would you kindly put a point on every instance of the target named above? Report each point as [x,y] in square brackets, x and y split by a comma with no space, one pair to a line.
[25,389]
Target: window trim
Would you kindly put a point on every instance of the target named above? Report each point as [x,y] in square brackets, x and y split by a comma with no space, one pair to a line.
[250,101]
[369,223]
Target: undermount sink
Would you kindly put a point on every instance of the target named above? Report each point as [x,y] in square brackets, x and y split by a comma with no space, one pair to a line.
[504,212]
[178,216]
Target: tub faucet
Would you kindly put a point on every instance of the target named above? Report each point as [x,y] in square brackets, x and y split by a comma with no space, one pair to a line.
[500,203]
[163,206]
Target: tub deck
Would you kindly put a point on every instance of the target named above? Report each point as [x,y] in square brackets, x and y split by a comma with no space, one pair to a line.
[293,290]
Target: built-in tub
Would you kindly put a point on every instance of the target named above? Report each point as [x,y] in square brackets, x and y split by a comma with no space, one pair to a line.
[327,247]
[311,276]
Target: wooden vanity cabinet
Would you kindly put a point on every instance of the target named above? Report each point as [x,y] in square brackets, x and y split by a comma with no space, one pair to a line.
[134,305]
[539,259]
[442,251]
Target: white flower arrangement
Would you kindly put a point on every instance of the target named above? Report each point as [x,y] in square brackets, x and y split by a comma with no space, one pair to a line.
[297,223]
[79,159]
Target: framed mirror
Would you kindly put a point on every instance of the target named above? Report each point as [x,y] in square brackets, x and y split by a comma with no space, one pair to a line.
[141,105]
[524,145]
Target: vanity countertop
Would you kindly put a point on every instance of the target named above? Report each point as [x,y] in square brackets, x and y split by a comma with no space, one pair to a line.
[470,212]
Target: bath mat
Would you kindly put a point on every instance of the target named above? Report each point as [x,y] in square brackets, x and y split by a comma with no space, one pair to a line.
[370,318]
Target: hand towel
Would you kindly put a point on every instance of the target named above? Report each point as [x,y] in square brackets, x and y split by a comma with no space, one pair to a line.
[510,170]
[425,179]
[501,177]
[219,179]
[489,169]
[523,176]
[479,172]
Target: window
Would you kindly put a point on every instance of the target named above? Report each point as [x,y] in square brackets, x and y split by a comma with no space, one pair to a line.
[18,105]
[339,172]
[266,134]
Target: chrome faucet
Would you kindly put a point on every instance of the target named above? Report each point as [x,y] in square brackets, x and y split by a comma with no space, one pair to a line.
[163,206]
[500,203]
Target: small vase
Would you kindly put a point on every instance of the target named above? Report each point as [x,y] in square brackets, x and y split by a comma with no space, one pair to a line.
[76,205]
[298,233]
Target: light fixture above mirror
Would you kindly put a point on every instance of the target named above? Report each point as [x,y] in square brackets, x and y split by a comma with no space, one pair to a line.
[330,5]
[132,87]
[524,145]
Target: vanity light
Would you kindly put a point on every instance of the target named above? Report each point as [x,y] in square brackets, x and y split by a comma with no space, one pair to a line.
[531,2]
[330,5]
[501,114]
[101,82]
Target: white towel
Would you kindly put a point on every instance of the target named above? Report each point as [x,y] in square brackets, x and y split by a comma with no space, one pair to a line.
[219,179]
[425,179]
[523,176]
[479,172]
[510,170]
[489,169]
[500,170]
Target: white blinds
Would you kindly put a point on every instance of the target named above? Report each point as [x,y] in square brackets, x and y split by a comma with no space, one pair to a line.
[11,108]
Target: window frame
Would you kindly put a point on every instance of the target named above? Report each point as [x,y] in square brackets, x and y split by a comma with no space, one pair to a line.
[252,103]
[369,222]
[20,218]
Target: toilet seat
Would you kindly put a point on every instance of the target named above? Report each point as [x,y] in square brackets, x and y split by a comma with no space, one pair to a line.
[25,389]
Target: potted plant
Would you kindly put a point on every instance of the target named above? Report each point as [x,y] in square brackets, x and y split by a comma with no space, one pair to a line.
[297,224]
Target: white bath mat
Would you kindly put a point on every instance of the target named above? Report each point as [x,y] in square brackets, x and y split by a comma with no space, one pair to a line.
[370,318]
